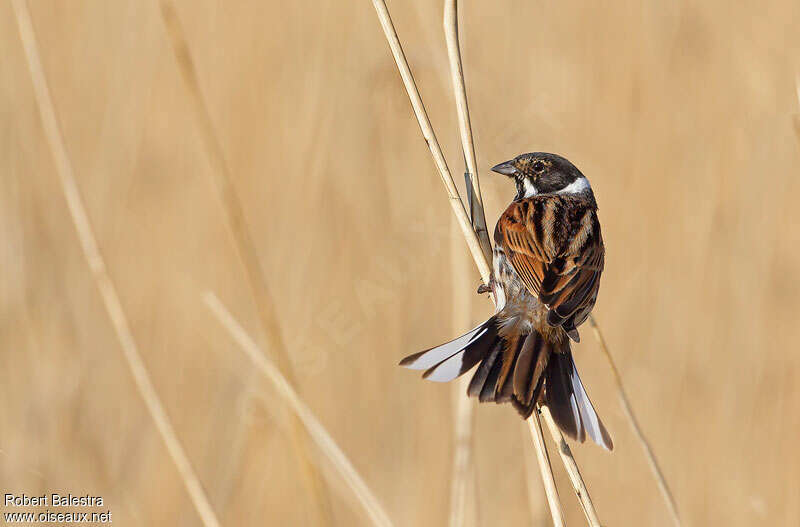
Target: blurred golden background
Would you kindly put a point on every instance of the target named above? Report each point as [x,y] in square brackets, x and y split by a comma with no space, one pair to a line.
[681,114]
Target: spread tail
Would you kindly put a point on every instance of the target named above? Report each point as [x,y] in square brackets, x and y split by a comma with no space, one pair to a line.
[520,370]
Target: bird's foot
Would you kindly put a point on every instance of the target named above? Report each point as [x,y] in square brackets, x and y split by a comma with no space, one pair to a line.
[483,288]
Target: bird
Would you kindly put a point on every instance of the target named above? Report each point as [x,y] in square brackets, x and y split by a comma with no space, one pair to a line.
[546,266]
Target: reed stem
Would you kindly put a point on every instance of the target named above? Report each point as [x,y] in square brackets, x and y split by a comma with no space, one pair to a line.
[99,271]
[572,468]
[245,248]
[480,258]
[550,489]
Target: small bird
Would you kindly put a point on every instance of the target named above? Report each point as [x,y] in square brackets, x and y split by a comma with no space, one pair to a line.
[547,262]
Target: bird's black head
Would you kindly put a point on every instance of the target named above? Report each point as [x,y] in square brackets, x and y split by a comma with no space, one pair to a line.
[543,173]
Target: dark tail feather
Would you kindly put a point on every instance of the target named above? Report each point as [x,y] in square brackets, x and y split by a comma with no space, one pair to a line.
[486,393]
[569,404]
[519,382]
[489,368]
[509,371]
[517,371]
[528,373]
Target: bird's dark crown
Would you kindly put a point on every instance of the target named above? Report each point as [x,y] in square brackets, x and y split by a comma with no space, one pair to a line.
[543,173]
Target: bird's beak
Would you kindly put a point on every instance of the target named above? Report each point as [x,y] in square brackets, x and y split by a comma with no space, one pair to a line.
[506,168]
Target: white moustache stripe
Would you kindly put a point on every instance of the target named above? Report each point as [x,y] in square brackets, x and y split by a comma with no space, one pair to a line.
[530,190]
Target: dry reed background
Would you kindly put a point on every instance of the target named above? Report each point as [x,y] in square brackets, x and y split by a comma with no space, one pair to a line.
[681,115]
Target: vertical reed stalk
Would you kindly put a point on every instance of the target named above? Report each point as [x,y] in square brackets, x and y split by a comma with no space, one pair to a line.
[477,213]
[479,221]
[430,138]
[237,225]
[463,484]
[797,115]
[463,495]
[478,250]
[536,505]
[455,201]
[99,271]
[546,471]
[572,468]
[478,218]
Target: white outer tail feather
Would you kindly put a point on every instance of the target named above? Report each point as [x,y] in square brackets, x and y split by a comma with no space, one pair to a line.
[444,352]
[588,416]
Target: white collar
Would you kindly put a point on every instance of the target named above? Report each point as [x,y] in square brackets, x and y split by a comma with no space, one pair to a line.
[576,187]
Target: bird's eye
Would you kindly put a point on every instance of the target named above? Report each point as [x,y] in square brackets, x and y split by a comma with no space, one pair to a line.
[538,167]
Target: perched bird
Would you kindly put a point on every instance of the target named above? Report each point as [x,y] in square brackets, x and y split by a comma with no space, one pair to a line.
[547,262]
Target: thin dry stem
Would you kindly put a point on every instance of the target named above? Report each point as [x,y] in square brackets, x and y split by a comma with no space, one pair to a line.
[479,223]
[463,492]
[481,259]
[463,499]
[465,126]
[315,429]
[797,86]
[463,507]
[796,117]
[430,138]
[648,450]
[546,470]
[237,224]
[97,266]
[572,468]
[536,504]
[457,74]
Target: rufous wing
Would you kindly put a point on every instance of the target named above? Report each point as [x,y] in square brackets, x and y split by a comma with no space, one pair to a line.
[555,246]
